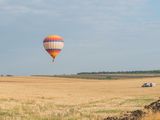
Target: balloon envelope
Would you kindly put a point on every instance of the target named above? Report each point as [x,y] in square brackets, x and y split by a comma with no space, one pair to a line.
[53,44]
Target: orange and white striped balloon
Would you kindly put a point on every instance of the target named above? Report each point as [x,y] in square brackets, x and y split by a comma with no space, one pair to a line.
[53,44]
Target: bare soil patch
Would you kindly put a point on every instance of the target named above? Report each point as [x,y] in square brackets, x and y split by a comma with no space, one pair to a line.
[151,109]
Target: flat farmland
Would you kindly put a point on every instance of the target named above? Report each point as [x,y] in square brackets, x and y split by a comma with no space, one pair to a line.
[53,98]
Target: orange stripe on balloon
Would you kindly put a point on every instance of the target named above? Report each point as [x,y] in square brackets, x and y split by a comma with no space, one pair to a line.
[53,53]
[53,37]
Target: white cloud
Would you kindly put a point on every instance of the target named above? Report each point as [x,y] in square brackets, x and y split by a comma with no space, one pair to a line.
[108,12]
[41,6]
[14,9]
[11,7]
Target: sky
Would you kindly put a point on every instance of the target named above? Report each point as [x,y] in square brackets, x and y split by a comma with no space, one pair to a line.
[99,35]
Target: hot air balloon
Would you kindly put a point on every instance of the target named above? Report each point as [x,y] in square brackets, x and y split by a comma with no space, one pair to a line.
[53,44]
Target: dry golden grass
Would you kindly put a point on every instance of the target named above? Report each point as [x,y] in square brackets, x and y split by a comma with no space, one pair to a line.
[152,116]
[49,98]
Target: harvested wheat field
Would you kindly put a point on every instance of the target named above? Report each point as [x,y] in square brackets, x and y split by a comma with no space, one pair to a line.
[52,98]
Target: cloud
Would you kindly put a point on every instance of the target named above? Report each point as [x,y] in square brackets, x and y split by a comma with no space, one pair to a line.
[21,8]
[71,6]
[90,12]
[15,9]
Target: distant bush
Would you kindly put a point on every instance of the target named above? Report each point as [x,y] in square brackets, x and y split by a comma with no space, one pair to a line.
[9,75]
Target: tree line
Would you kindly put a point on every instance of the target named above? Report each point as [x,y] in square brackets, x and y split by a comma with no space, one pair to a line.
[123,72]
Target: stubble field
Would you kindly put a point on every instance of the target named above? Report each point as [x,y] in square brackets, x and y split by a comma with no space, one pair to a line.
[52,98]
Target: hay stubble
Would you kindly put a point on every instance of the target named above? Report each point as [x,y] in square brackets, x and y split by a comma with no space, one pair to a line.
[68,98]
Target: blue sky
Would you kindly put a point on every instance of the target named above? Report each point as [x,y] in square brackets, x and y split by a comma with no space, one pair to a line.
[106,35]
